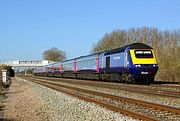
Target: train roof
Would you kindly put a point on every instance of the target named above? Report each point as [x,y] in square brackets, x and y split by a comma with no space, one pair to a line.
[130,46]
[139,46]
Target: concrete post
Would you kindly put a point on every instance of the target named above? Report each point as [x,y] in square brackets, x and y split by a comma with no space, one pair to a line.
[4,76]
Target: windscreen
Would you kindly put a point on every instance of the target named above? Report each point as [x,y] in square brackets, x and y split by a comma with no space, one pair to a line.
[143,54]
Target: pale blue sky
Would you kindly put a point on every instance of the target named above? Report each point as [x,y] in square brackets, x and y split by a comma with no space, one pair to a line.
[29,27]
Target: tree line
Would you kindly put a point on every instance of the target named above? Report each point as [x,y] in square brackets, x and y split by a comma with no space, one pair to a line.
[166,45]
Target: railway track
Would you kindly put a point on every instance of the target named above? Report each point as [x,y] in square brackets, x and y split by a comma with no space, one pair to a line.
[167,86]
[135,108]
[150,90]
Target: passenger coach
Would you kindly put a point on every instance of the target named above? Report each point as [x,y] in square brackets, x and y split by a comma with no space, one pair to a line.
[133,63]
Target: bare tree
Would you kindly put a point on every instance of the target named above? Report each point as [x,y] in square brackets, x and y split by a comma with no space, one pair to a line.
[54,54]
[110,41]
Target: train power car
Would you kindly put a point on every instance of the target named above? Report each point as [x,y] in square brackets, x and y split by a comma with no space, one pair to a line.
[133,63]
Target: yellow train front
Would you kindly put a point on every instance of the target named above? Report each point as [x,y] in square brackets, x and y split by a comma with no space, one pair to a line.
[142,64]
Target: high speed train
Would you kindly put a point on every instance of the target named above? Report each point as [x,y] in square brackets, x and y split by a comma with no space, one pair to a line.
[133,63]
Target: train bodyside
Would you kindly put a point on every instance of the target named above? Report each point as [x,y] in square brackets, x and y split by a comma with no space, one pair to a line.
[39,71]
[58,69]
[49,70]
[132,63]
[68,68]
[112,64]
[87,67]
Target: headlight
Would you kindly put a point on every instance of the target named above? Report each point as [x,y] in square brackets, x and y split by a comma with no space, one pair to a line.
[137,65]
[155,65]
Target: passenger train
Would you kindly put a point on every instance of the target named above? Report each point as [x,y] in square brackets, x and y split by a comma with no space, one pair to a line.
[133,63]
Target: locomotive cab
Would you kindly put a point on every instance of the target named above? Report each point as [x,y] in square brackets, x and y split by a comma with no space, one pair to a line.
[143,65]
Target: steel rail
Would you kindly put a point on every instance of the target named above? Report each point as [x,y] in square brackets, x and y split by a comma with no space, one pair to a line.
[157,92]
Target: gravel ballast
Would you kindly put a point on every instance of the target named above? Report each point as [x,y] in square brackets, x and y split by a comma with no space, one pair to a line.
[29,101]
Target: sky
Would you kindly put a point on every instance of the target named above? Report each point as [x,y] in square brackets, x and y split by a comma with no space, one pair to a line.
[29,27]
